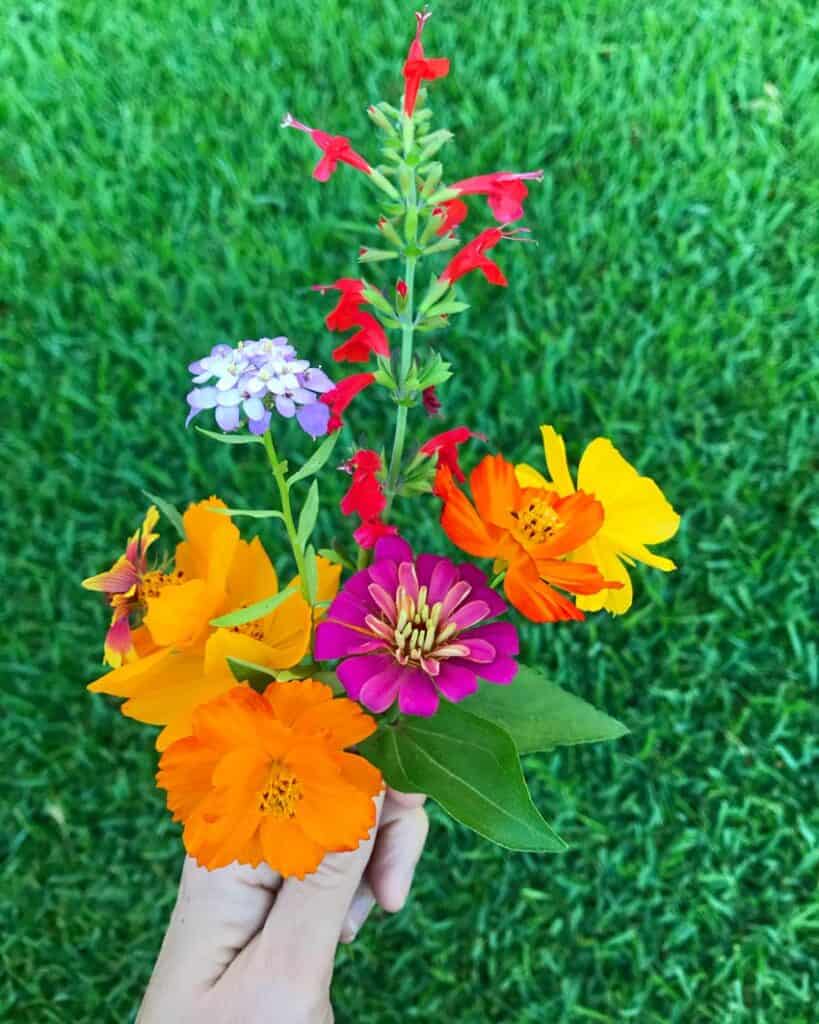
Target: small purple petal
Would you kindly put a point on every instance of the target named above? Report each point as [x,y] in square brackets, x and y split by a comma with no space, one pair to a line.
[228,417]
[260,425]
[442,580]
[314,419]
[254,408]
[285,406]
[228,399]
[479,650]
[334,640]
[408,579]
[417,695]
[317,380]
[455,596]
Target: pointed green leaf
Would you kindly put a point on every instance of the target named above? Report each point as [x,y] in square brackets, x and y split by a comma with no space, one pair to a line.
[382,750]
[310,575]
[539,715]
[470,766]
[253,513]
[231,438]
[253,611]
[250,672]
[316,460]
[308,515]
[171,512]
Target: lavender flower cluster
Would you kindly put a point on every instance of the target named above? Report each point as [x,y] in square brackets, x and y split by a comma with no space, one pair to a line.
[254,378]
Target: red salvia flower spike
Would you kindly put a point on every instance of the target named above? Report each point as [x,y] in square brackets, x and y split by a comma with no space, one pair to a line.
[452,212]
[370,336]
[336,149]
[418,68]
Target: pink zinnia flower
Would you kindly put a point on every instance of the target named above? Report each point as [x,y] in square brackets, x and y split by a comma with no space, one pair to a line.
[336,150]
[415,629]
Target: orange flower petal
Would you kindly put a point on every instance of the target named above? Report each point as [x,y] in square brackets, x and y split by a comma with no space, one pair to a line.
[464,527]
[535,599]
[496,490]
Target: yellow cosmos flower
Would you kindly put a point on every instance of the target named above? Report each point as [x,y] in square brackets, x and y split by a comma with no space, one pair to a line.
[183,659]
[636,514]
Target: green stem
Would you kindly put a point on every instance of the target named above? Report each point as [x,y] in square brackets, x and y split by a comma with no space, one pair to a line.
[287,511]
[405,358]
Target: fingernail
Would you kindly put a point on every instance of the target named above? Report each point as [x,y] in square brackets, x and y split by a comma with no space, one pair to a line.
[356,916]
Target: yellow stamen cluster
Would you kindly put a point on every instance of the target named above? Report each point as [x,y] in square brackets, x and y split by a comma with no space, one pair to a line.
[153,583]
[537,521]
[417,630]
[254,629]
[280,793]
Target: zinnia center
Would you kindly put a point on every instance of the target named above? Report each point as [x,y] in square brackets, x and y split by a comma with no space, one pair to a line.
[537,521]
[417,633]
[280,793]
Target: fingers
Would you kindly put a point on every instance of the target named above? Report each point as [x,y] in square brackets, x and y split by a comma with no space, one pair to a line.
[216,914]
[304,928]
[401,837]
[363,903]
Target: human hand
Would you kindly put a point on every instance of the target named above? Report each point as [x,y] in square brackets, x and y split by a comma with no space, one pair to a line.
[245,946]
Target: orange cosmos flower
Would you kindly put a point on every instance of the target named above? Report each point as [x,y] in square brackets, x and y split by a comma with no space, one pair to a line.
[265,777]
[528,531]
[184,659]
[637,513]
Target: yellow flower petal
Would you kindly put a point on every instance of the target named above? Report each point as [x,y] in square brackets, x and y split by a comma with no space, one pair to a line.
[528,476]
[603,554]
[555,451]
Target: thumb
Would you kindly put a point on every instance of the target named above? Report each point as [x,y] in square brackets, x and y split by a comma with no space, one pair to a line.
[305,924]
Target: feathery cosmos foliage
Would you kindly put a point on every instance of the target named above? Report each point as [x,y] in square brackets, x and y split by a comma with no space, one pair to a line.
[267,751]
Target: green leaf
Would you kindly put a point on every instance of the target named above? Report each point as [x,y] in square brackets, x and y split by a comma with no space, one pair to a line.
[308,515]
[250,672]
[330,555]
[253,513]
[253,611]
[539,715]
[171,512]
[316,460]
[310,574]
[231,438]
[470,766]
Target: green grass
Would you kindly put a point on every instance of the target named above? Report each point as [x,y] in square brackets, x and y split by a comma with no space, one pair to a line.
[150,206]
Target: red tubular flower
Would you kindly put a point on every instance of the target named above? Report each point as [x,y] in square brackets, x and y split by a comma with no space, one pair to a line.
[445,447]
[336,150]
[365,498]
[342,394]
[504,191]
[418,68]
[471,257]
[453,211]
[369,338]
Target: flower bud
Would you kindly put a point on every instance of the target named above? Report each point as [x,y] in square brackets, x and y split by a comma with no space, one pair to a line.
[390,234]
[379,118]
[443,246]
[433,177]
[401,293]
[406,176]
[411,223]
[377,178]
[433,142]
[442,195]
[366,255]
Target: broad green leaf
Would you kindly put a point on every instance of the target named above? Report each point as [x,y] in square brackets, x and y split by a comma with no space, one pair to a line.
[253,513]
[231,438]
[382,750]
[253,611]
[308,515]
[310,574]
[316,460]
[171,512]
[470,766]
[539,715]
[250,672]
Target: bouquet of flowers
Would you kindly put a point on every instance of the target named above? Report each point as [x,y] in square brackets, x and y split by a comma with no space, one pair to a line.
[285,709]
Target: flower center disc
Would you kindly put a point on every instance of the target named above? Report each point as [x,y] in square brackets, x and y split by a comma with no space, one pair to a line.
[416,628]
[280,793]
[537,521]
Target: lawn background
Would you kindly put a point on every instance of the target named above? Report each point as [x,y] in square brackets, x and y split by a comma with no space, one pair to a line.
[149,206]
